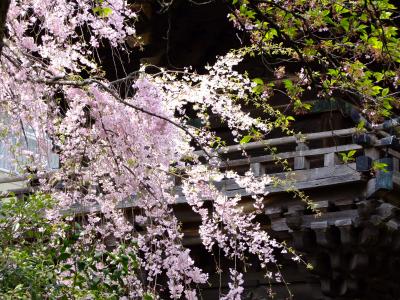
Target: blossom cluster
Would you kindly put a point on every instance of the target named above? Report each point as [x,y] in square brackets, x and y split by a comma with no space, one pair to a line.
[115,149]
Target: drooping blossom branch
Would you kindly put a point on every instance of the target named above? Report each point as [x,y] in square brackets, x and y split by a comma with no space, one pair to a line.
[113,149]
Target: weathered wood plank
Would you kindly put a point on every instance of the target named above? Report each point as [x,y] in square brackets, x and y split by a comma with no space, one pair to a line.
[396,179]
[79,209]
[347,233]
[292,154]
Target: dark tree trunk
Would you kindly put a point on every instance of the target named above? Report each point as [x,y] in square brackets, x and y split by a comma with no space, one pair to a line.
[4,5]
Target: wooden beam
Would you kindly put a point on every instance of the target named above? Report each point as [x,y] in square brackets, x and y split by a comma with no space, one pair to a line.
[11,179]
[326,219]
[299,176]
[359,262]
[284,140]
[303,179]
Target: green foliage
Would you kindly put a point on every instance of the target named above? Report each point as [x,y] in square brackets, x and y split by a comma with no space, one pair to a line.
[361,126]
[345,48]
[217,143]
[254,135]
[27,265]
[43,259]
[347,157]
[259,88]
[102,12]
[379,166]
[246,139]
[148,296]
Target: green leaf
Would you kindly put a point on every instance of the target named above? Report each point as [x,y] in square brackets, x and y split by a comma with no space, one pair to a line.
[377,44]
[361,126]
[347,157]
[333,72]
[364,17]
[345,24]
[64,256]
[102,12]
[246,139]
[258,81]
[378,166]
[351,153]
[376,89]
[270,34]
[385,91]
[290,118]
[259,88]
[378,76]
[288,84]
[148,296]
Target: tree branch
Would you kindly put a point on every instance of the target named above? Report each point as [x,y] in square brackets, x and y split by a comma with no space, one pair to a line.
[105,87]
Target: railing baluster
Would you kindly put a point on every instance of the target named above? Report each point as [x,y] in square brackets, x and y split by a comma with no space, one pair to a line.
[301,162]
[331,159]
[257,169]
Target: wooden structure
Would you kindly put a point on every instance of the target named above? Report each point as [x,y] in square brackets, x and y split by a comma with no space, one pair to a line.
[356,234]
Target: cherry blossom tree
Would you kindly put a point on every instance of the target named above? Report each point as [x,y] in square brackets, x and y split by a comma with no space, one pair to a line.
[117,148]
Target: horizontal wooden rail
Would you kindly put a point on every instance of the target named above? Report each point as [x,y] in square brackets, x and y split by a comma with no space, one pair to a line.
[284,140]
[292,154]
[302,180]
[12,179]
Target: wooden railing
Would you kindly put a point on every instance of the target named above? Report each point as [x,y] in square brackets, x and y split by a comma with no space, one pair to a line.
[312,168]
[300,138]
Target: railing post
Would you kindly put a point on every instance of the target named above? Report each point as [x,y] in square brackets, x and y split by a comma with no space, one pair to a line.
[301,162]
[257,169]
[331,159]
